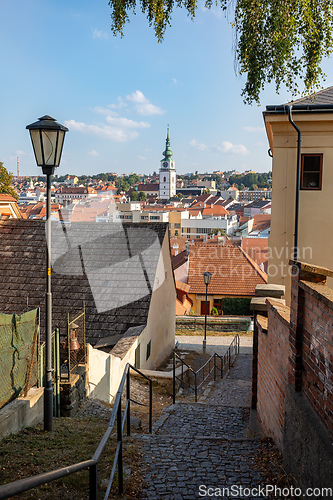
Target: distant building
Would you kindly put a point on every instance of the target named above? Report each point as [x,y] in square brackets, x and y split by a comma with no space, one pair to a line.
[257,194]
[167,187]
[65,196]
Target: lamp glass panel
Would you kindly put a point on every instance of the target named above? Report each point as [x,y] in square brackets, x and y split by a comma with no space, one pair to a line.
[49,138]
[36,143]
[60,145]
[207,277]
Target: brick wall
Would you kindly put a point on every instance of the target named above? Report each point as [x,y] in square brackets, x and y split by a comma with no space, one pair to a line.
[317,352]
[273,358]
[295,350]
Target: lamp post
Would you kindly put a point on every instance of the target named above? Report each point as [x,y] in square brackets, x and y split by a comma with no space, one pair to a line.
[47,137]
[206,276]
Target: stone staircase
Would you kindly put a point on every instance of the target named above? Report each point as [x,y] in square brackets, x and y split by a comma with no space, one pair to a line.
[197,446]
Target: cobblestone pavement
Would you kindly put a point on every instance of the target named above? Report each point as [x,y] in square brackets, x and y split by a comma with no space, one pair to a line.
[196,446]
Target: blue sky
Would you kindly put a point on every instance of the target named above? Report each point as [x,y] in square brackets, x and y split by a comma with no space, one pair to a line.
[117,95]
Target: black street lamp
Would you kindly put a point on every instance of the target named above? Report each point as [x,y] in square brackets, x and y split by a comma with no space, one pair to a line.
[47,137]
[206,276]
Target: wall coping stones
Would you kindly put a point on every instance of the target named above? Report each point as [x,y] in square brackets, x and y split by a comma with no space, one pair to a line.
[319,290]
[260,303]
[270,290]
[281,309]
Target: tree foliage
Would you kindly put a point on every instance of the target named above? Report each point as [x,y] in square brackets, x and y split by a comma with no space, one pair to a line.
[275,40]
[5,182]
[251,181]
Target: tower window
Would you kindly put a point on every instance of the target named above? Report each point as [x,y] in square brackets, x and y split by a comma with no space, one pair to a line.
[164,179]
[311,171]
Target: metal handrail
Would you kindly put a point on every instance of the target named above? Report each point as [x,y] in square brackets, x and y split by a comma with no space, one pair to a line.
[224,360]
[22,485]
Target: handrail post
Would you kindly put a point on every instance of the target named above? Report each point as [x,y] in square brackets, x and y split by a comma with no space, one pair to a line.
[195,387]
[128,397]
[93,482]
[229,358]
[214,367]
[120,457]
[174,379]
[150,406]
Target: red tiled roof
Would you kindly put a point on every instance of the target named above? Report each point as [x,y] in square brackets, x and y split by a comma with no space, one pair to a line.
[256,248]
[7,197]
[261,222]
[216,210]
[234,273]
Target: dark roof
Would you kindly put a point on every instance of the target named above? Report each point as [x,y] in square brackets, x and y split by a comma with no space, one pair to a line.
[109,266]
[179,259]
[257,204]
[324,96]
[318,102]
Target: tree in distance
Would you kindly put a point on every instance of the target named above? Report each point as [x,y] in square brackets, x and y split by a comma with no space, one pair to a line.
[5,182]
[275,40]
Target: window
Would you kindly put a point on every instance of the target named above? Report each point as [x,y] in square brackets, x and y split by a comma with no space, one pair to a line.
[148,350]
[311,171]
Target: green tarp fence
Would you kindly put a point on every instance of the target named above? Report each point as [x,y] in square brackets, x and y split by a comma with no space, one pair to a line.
[19,337]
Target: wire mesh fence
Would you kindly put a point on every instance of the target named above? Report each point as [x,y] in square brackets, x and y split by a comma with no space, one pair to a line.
[19,356]
[73,345]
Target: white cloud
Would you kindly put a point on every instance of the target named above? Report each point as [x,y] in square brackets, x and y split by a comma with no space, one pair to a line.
[93,152]
[112,133]
[228,147]
[198,145]
[115,127]
[100,34]
[105,111]
[174,81]
[143,158]
[254,129]
[126,123]
[143,106]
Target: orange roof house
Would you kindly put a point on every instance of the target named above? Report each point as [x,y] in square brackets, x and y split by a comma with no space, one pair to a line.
[183,302]
[214,211]
[9,207]
[234,274]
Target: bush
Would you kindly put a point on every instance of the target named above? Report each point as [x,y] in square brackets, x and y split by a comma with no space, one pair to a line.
[214,312]
[234,306]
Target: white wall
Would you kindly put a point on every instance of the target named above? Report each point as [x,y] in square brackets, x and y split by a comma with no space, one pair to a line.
[105,372]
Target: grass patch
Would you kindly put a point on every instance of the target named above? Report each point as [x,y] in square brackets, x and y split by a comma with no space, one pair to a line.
[34,451]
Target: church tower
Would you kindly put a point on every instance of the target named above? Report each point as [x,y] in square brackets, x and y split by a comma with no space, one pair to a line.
[167,187]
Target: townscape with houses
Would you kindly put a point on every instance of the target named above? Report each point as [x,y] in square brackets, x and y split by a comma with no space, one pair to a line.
[132,253]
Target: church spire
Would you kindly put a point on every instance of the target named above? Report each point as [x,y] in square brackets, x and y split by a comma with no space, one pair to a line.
[167,154]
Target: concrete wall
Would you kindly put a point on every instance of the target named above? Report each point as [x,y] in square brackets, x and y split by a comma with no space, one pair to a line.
[22,412]
[105,372]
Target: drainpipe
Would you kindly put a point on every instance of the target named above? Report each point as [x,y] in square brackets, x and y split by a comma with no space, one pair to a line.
[298,178]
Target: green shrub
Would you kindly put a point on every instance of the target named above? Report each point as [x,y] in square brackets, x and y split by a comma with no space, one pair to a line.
[234,306]
[214,311]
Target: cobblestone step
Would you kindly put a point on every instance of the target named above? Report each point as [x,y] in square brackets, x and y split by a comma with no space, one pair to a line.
[192,419]
[182,468]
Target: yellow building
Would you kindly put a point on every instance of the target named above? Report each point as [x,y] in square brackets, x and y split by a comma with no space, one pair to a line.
[309,227]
